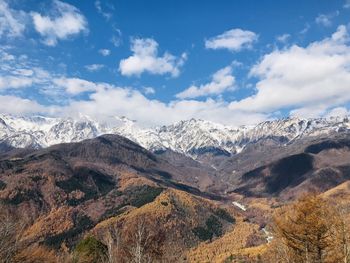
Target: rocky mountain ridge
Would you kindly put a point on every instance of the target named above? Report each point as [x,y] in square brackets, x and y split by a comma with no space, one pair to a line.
[191,137]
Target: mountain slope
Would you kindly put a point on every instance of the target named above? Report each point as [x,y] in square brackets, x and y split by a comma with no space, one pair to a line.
[68,188]
[316,165]
[182,219]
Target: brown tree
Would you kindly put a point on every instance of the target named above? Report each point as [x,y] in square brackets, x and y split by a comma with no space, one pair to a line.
[306,232]
[113,241]
[341,226]
[137,241]
[11,230]
[35,254]
[143,241]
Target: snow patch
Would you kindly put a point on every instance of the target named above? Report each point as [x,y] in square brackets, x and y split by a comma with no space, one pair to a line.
[268,235]
[240,206]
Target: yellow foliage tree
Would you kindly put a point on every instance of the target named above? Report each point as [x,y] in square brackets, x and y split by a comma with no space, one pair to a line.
[309,231]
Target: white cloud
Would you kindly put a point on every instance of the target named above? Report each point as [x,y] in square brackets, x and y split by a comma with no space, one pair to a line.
[104,52]
[16,105]
[121,101]
[64,22]
[338,112]
[103,100]
[12,22]
[283,38]
[309,111]
[75,86]
[326,19]
[320,110]
[145,59]
[16,72]
[233,40]
[308,80]
[94,67]
[106,101]
[221,81]
[14,82]
[23,72]
[149,90]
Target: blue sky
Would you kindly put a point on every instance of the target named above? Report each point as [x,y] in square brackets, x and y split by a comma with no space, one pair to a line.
[233,62]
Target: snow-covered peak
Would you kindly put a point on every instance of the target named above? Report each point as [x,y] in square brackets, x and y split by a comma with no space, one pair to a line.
[191,137]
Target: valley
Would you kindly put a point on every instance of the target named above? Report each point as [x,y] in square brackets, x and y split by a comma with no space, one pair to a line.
[203,204]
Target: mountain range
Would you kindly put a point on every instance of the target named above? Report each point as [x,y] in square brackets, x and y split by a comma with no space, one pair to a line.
[208,190]
[193,137]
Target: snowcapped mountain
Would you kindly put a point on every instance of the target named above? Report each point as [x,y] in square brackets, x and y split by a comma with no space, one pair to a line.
[195,137]
[191,137]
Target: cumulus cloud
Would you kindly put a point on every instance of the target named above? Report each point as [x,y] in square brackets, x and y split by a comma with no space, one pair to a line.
[233,40]
[221,81]
[123,101]
[17,105]
[145,59]
[94,67]
[104,52]
[65,21]
[12,22]
[306,80]
[75,86]
[105,101]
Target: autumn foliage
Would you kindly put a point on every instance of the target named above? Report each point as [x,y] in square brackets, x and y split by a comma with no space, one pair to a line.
[310,231]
